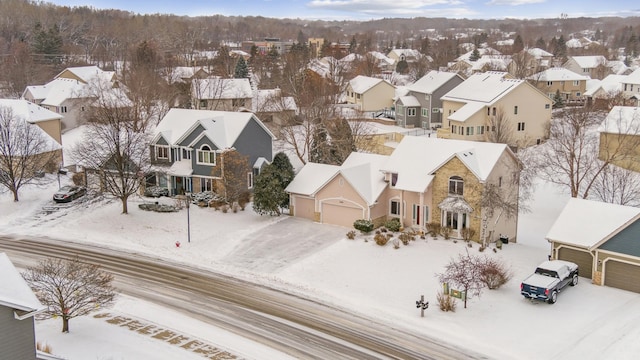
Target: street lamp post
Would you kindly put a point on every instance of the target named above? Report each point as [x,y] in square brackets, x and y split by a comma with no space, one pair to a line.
[188,198]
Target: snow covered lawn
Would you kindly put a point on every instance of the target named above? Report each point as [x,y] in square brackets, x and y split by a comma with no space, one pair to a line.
[587,322]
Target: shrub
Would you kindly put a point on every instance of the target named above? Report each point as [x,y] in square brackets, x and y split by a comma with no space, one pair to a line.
[393,224]
[351,235]
[389,235]
[446,232]
[481,248]
[78,180]
[446,302]
[150,191]
[381,239]
[365,226]
[244,199]
[45,348]
[467,233]
[405,237]
[224,208]
[383,229]
[396,244]
[434,228]
[494,273]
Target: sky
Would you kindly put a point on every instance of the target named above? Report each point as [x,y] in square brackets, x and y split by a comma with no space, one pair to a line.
[372,9]
[318,262]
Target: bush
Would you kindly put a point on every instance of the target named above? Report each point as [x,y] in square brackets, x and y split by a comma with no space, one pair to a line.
[493,273]
[446,302]
[446,232]
[381,239]
[396,244]
[393,224]
[152,191]
[244,199]
[365,226]
[351,235]
[434,228]
[405,237]
[467,233]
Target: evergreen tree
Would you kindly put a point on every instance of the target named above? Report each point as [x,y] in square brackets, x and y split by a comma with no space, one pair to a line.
[402,67]
[268,193]
[242,71]
[353,44]
[475,55]
[561,48]
[47,44]
[425,46]
[518,44]
[541,44]
[284,173]
[557,100]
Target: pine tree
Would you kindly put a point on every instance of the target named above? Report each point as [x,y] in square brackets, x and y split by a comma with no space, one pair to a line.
[541,44]
[284,173]
[242,71]
[518,44]
[475,55]
[48,44]
[557,100]
[268,193]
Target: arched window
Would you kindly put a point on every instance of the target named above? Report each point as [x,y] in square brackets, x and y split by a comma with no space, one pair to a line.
[206,156]
[456,185]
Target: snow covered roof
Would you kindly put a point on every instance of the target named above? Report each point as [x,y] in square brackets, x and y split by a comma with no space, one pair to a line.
[406,52]
[589,61]
[361,84]
[622,120]
[361,170]
[485,87]
[573,43]
[557,74]
[216,88]
[221,127]
[494,62]
[539,53]
[88,73]
[29,111]
[409,101]
[617,67]
[586,223]
[56,91]
[481,51]
[466,111]
[350,58]
[384,59]
[14,291]
[432,81]
[181,168]
[417,158]
[633,78]
[611,84]
[271,100]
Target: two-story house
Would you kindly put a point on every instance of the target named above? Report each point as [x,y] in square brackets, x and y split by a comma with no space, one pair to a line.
[424,180]
[631,88]
[18,306]
[593,66]
[620,137]
[571,85]
[369,93]
[72,92]
[221,94]
[474,109]
[421,106]
[187,148]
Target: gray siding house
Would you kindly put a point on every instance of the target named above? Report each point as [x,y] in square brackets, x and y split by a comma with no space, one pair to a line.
[18,305]
[421,106]
[187,150]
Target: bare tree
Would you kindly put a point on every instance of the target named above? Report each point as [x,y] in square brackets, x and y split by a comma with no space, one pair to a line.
[501,129]
[523,64]
[25,150]
[235,169]
[618,186]
[70,288]
[113,150]
[464,273]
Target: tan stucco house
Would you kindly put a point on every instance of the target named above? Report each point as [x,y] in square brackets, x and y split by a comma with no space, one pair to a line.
[571,86]
[470,108]
[602,238]
[620,137]
[221,94]
[424,180]
[593,66]
[370,94]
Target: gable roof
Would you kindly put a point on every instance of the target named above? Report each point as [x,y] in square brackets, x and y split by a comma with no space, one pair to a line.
[409,101]
[271,100]
[633,78]
[361,84]
[610,84]
[586,223]
[14,291]
[88,73]
[622,120]
[432,81]
[485,87]
[221,127]
[539,53]
[589,61]
[558,74]
[29,111]
[216,88]
[361,170]
[416,159]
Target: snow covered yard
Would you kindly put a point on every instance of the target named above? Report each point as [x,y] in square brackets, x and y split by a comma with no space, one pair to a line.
[588,322]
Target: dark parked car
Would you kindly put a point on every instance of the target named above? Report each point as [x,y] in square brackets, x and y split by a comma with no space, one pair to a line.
[68,193]
[549,279]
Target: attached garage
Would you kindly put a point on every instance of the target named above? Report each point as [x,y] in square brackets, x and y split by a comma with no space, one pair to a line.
[583,258]
[304,207]
[622,275]
[341,214]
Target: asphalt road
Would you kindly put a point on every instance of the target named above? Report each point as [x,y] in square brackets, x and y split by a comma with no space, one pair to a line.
[295,326]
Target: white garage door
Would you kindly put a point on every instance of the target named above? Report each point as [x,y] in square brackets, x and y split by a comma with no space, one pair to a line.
[340,215]
[304,208]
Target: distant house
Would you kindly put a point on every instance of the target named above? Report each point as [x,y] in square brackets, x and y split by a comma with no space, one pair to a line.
[602,238]
[603,93]
[471,107]
[187,150]
[221,94]
[270,106]
[408,55]
[185,74]
[72,92]
[369,94]
[424,180]
[421,106]
[594,66]
[620,137]
[571,85]
[18,307]
[631,88]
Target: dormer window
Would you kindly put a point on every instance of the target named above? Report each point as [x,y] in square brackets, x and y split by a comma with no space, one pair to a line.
[162,152]
[206,156]
[394,179]
[456,185]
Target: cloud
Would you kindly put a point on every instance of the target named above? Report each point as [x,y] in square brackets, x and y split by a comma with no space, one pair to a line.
[515,2]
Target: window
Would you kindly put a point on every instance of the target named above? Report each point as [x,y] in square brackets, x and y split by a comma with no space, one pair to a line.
[493,112]
[206,156]
[186,154]
[425,112]
[426,96]
[480,130]
[63,109]
[488,111]
[577,94]
[585,70]
[436,110]
[515,110]
[411,112]
[394,208]
[469,130]
[520,126]
[400,109]
[453,129]
[547,106]
[456,185]
[549,83]
[206,184]
[456,221]
[203,103]
[358,96]
[394,179]
[250,180]
[500,181]
[162,152]
[576,82]
[237,102]
[420,216]
[82,108]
